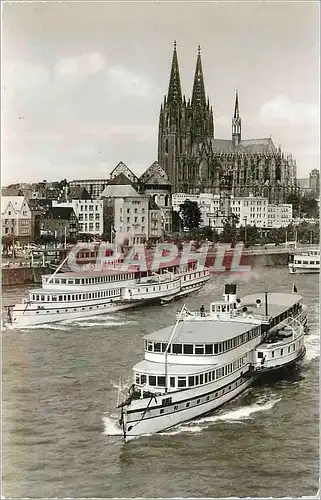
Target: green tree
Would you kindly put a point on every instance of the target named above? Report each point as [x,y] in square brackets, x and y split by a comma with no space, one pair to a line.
[250,235]
[303,206]
[176,222]
[190,214]
[229,233]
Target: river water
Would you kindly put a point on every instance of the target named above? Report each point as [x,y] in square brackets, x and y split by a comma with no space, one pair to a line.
[59,395]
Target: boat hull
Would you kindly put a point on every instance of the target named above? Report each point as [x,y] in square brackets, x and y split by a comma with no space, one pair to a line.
[275,372]
[30,319]
[155,424]
[304,270]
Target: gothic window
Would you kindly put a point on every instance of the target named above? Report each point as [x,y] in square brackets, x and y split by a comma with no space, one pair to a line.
[166,200]
[166,145]
[203,170]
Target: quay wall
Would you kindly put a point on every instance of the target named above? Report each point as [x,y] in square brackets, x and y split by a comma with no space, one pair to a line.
[28,275]
[14,276]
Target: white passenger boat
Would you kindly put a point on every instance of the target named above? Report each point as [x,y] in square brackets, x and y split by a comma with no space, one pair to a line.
[282,348]
[73,295]
[307,262]
[207,359]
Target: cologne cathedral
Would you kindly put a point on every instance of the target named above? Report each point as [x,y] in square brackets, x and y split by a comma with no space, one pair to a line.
[195,161]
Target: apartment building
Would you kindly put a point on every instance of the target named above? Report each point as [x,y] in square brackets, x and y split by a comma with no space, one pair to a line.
[16,218]
[90,215]
[279,215]
[250,210]
[127,212]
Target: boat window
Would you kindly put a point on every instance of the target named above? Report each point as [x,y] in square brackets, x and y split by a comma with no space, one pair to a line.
[209,349]
[77,281]
[191,381]
[60,298]
[181,382]
[281,352]
[150,346]
[206,378]
[215,348]
[177,348]
[224,308]
[188,349]
[161,381]
[220,347]
[272,354]
[63,281]
[164,347]
[260,354]
[152,380]
[166,401]
[199,349]
[54,298]
[161,410]
[213,375]
[172,381]
[143,379]
[196,380]
[42,297]
[157,347]
[137,379]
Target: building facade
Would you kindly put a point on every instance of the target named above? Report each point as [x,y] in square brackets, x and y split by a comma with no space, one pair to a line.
[195,161]
[314,183]
[16,218]
[89,213]
[60,222]
[126,211]
[153,182]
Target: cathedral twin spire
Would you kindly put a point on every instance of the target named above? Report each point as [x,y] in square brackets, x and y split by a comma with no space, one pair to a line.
[174,95]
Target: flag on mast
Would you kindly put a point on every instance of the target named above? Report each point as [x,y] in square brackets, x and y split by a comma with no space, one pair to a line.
[295,290]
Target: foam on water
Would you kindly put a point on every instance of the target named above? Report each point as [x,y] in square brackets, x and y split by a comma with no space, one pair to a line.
[312,344]
[238,415]
[111,426]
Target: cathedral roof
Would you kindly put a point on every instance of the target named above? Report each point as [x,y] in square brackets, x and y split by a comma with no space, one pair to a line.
[246,146]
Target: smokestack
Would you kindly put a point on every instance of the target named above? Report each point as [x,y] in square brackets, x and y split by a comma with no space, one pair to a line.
[266,304]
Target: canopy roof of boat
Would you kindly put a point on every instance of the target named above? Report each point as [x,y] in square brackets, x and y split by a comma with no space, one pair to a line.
[200,332]
[172,369]
[275,301]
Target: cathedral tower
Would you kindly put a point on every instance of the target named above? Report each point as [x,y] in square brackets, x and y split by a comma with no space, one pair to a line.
[236,123]
[171,124]
[201,122]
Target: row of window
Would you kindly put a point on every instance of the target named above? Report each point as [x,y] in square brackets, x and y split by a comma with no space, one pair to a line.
[91,281]
[192,380]
[90,207]
[306,262]
[76,296]
[280,352]
[89,217]
[200,349]
[181,406]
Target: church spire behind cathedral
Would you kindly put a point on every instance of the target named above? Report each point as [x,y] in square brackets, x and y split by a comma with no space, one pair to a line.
[236,123]
[236,109]
[198,96]
[174,95]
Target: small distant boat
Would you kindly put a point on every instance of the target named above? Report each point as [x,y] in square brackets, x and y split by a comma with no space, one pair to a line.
[307,262]
[208,358]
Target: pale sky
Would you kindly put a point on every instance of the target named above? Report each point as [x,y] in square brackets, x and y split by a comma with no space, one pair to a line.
[82,83]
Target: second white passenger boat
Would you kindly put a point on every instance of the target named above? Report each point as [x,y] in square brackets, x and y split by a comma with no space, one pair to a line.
[305,262]
[208,358]
[74,295]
